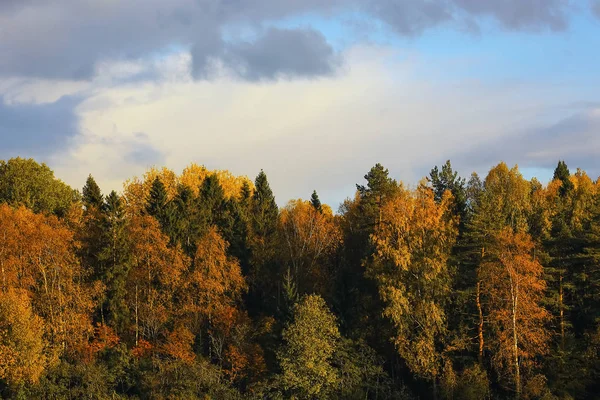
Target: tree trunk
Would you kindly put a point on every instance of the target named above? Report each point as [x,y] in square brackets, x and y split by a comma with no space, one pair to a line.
[480,326]
[136,316]
[515,299]
[562,313]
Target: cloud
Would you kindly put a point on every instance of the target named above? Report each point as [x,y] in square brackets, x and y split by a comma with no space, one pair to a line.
[532,15]
[37,130]
[411,17]
[325,134]
[67,39]
[595,4]
[574,138]
[142,152]
[284,52]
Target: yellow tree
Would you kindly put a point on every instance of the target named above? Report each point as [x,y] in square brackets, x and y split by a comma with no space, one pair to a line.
[512,281]
[22,348]
[213,290]
[309,238]
[412,246]
[154,278]
[38,256]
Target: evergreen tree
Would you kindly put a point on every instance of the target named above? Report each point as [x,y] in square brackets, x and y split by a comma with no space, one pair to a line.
[562,173]
[115,261]
[263,274]
[316,203]
[447,179]
[157,201]
[211,202]
[91,194]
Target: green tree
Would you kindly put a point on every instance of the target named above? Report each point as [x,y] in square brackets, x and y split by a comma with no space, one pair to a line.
[310,342]
[263,219]
[91,194]
[25,182]
[115,260]
[316,203]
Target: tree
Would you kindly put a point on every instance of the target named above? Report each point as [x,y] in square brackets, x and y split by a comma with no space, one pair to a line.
[562,174]
[447,179]
[514,287]
[115,260]
[22,348]
[27,183]
[315,202]
[262,241]
[310,342]
[39,258]
[91,194]
[153,280]
[412,245]
[309,240]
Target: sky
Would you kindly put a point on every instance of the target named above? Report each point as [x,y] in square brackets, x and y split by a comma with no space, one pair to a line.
[314,92]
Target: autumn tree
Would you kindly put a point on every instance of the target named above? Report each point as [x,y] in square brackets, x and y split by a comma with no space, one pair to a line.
[412,245]
[38,257]
[309,239]
[514,287]
[310,342]
[153,279]
[22,349]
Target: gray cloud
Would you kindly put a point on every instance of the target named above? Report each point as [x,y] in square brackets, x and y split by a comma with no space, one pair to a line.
[413,16]
[595,5]
[142,152]
[66,38]
[522,14]
[37,129]
[575,139]
[284,52]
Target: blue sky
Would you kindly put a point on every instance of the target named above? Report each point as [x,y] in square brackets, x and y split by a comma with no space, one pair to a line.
[314,92]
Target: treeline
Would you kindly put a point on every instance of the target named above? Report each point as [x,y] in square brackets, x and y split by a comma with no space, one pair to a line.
[197,286]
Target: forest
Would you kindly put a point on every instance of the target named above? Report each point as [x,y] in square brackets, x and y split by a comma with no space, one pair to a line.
[199,286]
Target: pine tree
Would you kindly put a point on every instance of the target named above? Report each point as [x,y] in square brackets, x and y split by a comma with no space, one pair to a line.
[562,173]
[157,201]
[316,203]
[91,194]
[448,179]
[263,274]
[115,261]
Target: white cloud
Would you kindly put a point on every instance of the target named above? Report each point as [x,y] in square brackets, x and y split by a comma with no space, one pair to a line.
[321,134]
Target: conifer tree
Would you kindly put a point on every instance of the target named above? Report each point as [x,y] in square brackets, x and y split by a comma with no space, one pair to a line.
[91,194]
[316,203]
[115,261]
[157,201]
[263,274]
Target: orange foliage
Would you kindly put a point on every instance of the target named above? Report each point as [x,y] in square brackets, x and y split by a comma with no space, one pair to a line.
[514,288]
[179,345]
[216,280]
[154,276]
[309,237]
[37,254]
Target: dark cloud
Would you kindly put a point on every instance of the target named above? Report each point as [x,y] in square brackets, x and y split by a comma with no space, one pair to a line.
[37,129]
[522,14]
[411,17]
[67,38]
[283,52]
